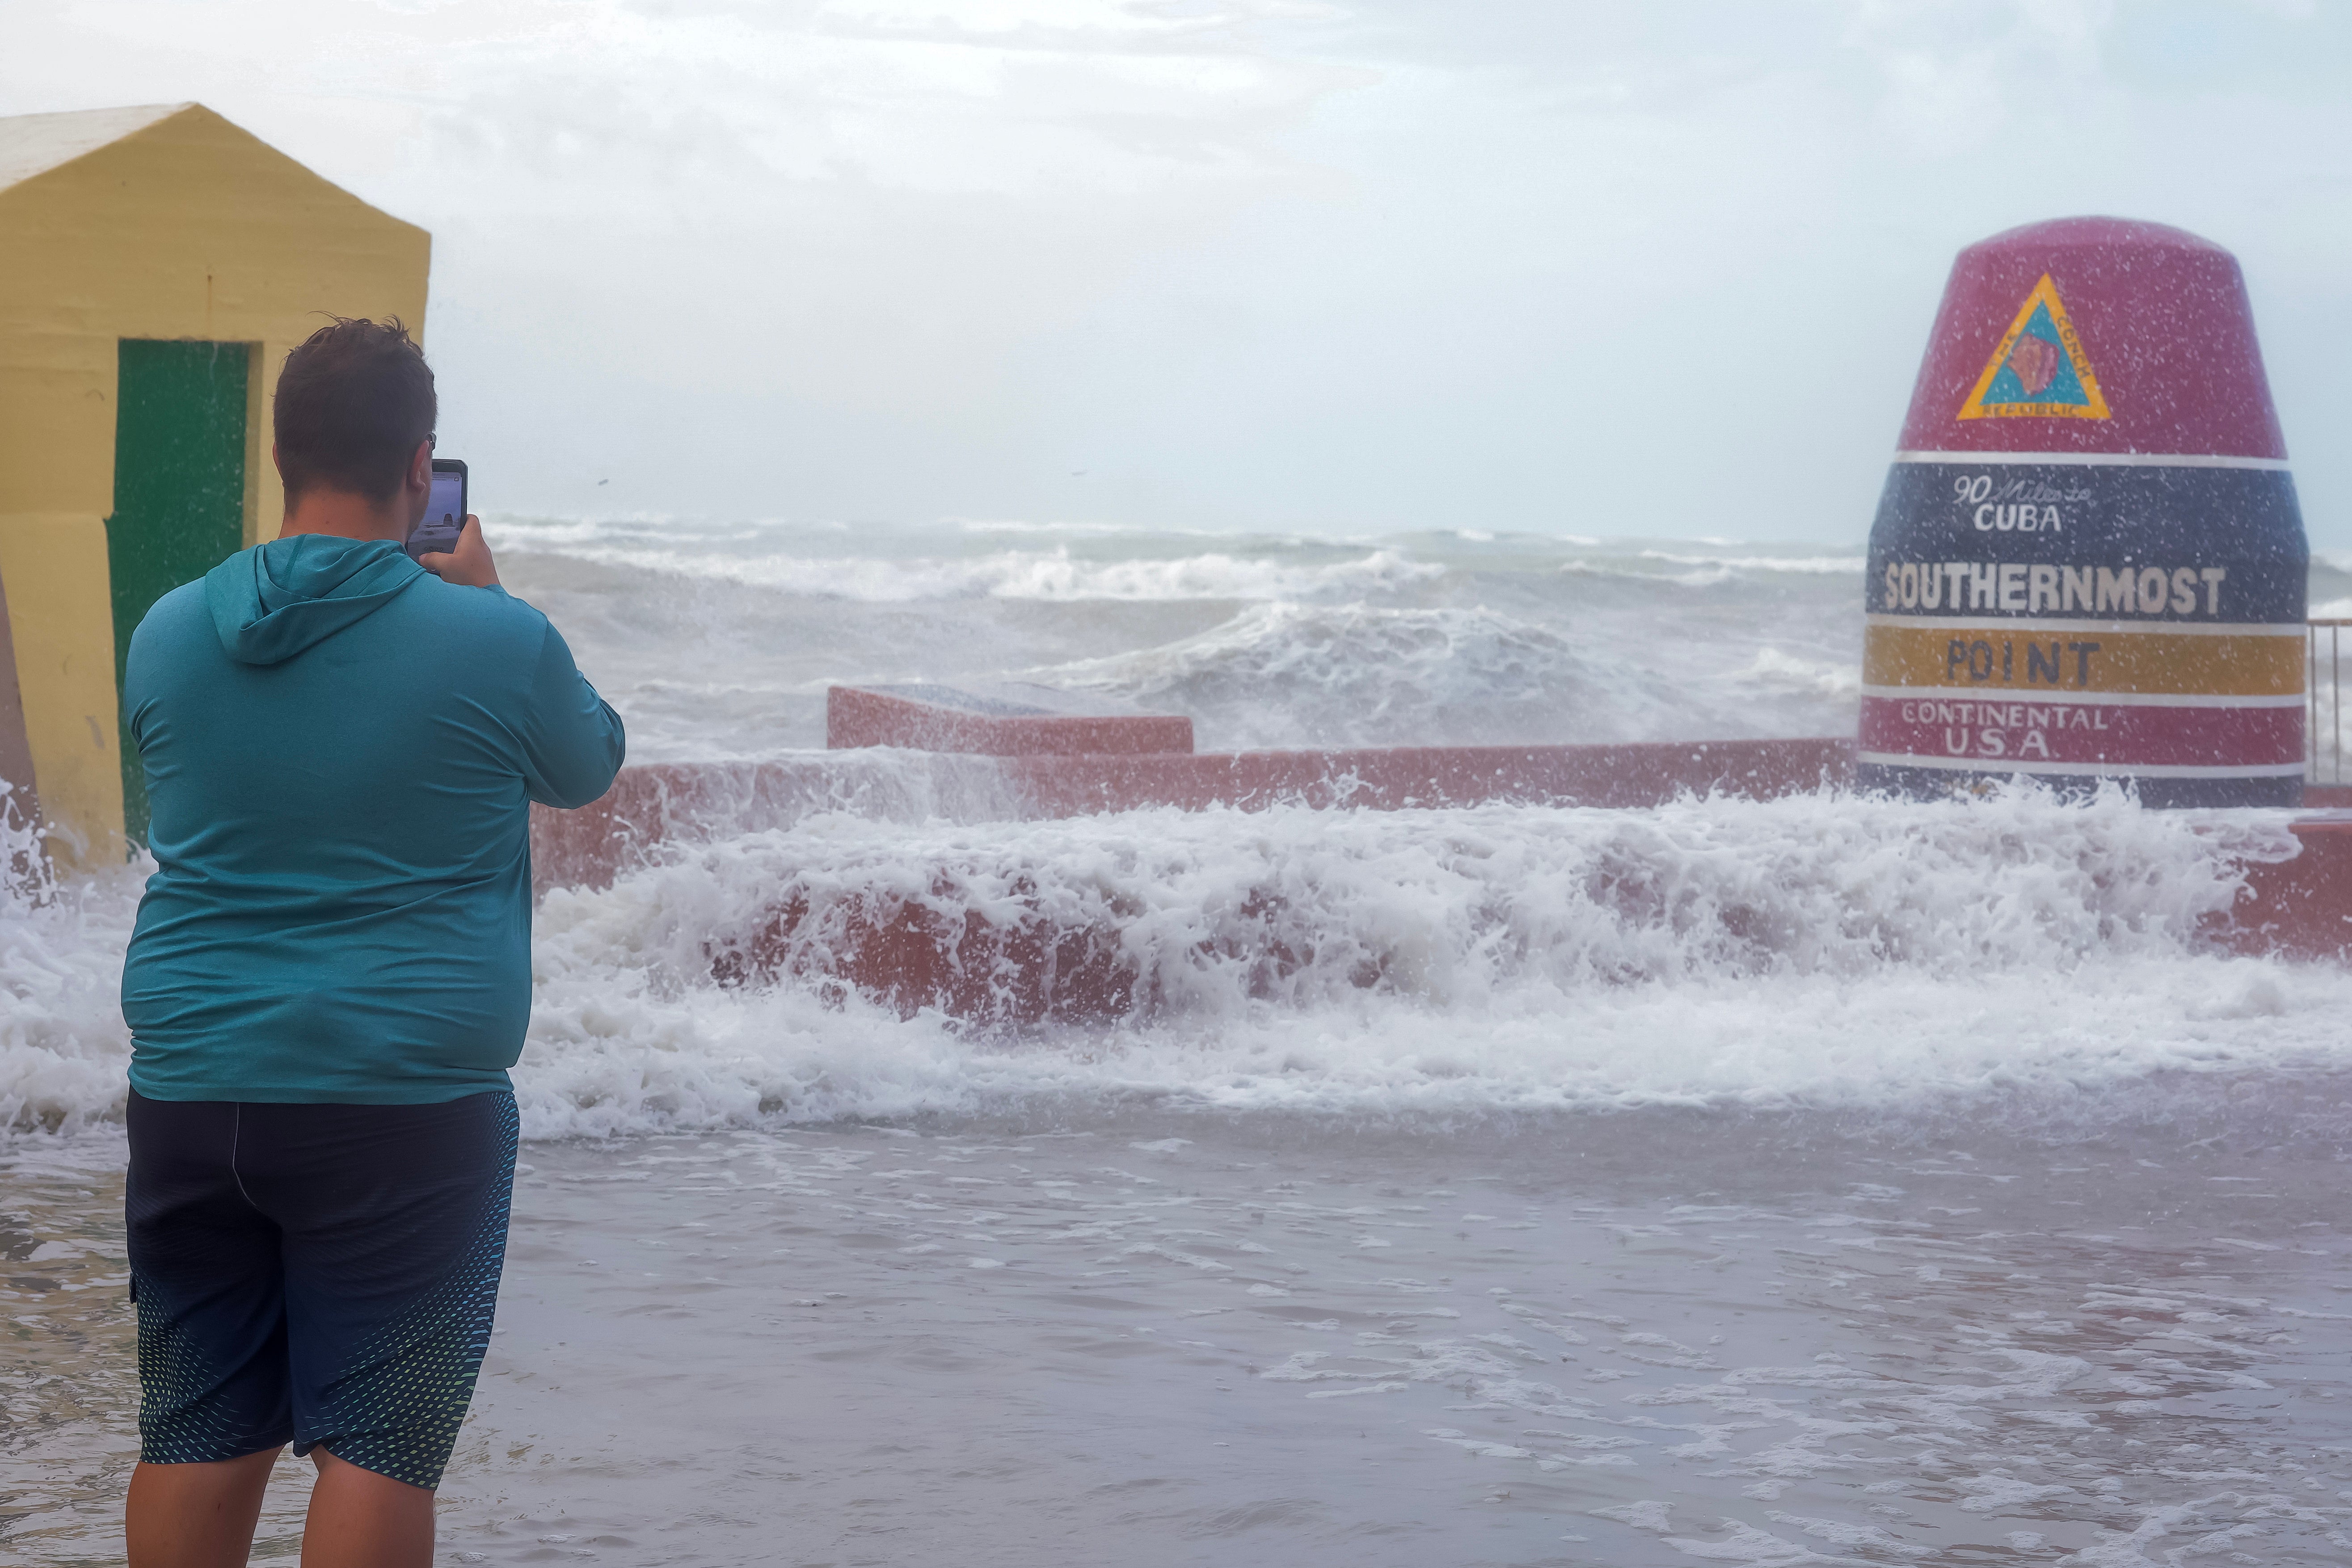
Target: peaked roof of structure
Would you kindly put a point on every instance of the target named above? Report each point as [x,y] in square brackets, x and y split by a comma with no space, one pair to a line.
[35,143]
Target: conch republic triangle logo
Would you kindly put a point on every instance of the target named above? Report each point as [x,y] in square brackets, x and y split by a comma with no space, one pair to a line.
[2039,369]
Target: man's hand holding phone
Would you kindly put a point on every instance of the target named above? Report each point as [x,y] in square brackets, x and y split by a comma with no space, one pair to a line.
[469,565]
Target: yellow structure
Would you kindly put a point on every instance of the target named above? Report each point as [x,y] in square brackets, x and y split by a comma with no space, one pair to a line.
[156,265]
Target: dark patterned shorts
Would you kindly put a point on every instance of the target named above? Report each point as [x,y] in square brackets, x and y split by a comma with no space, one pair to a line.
[323,1275]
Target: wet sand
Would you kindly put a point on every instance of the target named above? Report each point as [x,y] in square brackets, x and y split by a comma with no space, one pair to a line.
[1187,1338]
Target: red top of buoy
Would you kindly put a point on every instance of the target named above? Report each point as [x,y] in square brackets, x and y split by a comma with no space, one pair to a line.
[2095,334]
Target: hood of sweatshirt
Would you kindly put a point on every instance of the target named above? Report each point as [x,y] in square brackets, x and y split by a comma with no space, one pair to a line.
[277,599]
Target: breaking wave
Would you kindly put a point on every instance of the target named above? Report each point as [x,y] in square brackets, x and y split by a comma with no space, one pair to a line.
[1822,950]
[1058,575]
[1818,950]
[1288,674]
[64,1047]
[1825,950]
[718,641]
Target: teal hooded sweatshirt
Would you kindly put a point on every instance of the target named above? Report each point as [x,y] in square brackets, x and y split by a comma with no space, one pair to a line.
[339,750]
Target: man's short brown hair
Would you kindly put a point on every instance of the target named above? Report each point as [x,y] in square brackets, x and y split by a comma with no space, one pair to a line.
[353,401]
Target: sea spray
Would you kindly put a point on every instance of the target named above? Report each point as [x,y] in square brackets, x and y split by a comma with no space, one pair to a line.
[1819,949]
[1215,911]
[64,1049]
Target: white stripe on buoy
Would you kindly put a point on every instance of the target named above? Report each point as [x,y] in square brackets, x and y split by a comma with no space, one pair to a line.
[2101,459]
[1995,623]
[2042,697]
[2085,770]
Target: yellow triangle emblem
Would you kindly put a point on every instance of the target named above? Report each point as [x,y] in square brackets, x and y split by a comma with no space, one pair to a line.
[2039,369]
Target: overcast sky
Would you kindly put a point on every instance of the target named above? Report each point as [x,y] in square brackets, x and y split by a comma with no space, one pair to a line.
[1345,266]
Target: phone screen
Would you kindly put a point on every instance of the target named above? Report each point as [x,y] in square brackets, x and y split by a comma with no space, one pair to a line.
[445,513]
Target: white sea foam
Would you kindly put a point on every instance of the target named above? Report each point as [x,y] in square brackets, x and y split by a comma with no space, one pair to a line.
[1287,674]
[1776,670]
[1820,950]
[1816,951]
[1708,570]
[63,1045]
[1831,565]
[1055,574]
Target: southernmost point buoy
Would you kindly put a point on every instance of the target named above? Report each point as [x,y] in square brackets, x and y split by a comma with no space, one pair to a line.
[2088,562]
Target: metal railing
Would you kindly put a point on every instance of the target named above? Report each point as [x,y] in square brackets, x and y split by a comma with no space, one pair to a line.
[2324,699]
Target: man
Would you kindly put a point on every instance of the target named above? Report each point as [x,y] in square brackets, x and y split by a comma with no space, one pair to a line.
[329,976]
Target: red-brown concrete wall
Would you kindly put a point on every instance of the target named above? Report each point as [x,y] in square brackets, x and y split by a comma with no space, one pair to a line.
[2298,908]
[1390,778]
[1013,964]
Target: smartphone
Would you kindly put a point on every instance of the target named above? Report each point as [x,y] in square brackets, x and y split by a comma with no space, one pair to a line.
[444,514]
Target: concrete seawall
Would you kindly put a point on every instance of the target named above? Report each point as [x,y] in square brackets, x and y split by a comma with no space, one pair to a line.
[2297,907]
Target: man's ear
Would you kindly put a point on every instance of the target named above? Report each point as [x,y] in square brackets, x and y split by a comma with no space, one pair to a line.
[420,467]
[276,462]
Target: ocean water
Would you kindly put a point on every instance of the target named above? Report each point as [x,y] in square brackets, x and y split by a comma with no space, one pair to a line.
[720,641]
[1817,1180]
